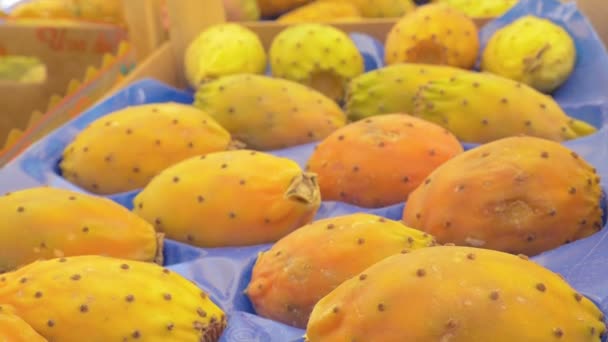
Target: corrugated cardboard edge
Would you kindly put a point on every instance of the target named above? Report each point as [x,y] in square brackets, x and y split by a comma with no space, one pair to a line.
[18,140]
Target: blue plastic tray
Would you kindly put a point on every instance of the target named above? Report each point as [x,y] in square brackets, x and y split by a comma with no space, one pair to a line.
[225,272]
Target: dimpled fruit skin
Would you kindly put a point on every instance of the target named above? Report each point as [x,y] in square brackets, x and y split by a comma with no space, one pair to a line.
[229,198]
[383,8]
[157,136]
[391,89]
[276,7]
[223,49]
[300,269]
[531,50]
[481,9]
[100,299]
[317,55]
[481,107]
[14,329]
[456,294]
[45,222]
[322,11]
[509,195]
[378,161]
[270,113]
[433,34]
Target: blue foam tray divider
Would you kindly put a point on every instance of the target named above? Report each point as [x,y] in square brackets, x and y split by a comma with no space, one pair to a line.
[225,272]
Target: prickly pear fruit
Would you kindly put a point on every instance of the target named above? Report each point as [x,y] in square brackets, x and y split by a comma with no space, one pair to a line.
[45,222]
[157,136]
[508,195]
[208,201]
[391,89]
[270,113]
[481,107]
[481,9]
[433,34]
[378,161]
[317,55]
[223,49]
[242,10]
[531,50]
[451,294]
[383,8]
[303,267]
[14,329]
[95,299]
[322,11]
[276,7]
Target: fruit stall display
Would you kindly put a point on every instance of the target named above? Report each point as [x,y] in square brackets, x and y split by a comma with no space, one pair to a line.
[445,184]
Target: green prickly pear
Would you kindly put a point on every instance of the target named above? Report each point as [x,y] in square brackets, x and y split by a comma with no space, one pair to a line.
[456,294]
[270,113]
[208,201]
[157,136]
[14,329]
[317,55]
[391,89]
[100,299]
[481,107]
[221,50]
[45,222]
[509,195]
[304,266]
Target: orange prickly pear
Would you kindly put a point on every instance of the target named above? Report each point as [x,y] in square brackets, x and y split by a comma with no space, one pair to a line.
[270,113]
[45,222]
[378,161]
[307,264]
[14,329]
[157,136]
[452,294]
[509,196]
[208,201]
[434,34]
[382,8]
[100,299]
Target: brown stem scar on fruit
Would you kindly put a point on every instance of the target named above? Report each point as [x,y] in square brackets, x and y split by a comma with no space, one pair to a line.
[304,188]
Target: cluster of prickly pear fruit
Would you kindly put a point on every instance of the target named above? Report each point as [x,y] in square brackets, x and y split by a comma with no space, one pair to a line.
[378,161]
[157,136]
[320,10]
[317,55]
[44,223]
[221,50]
[230,198]
[481,107]
[270,113]
[458,294]
[301,268]
[518,195]
[95,298]
[531,50]
[433,34]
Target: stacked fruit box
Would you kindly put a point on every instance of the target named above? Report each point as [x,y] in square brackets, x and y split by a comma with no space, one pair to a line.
[328,185]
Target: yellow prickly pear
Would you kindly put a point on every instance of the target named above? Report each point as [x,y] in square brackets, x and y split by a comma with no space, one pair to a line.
[44,223]
[157,136]
[270,113]
[391,89]
[456,294]
[509,196]
[100,299]
[434,34]
[317,55]
[531,50]
[221,50]
[481,107]
[378,161]
[304,266]
[335,10]
[14,329]
[481,9]
[208,201]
